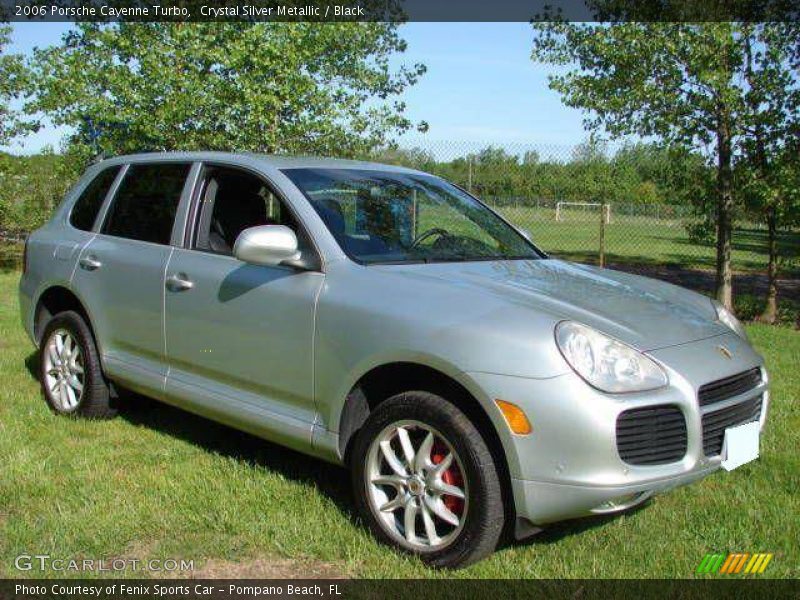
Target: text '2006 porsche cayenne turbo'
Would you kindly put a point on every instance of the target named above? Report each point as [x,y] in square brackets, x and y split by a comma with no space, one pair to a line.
[384,319]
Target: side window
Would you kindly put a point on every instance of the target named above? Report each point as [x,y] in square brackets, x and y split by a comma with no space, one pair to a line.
[145,204]
[86,207]
[233,200]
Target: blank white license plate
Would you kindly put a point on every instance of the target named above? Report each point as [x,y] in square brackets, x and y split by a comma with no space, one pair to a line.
[740,445]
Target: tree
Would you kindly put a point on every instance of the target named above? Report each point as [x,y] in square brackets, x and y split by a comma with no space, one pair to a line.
[416,158]
[678,175]
[770,159]
[13,81]
[265,87]
[772,195]
[681,82]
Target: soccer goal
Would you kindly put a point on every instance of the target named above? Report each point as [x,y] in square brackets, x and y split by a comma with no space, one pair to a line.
[581,206]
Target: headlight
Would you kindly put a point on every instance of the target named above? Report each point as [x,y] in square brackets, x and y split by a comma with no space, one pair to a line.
[605,363]
[726,317]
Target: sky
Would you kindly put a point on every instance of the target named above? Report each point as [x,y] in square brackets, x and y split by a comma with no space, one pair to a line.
[481,87]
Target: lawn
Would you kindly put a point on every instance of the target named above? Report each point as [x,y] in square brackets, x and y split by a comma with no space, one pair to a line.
[643,241]
[158,483]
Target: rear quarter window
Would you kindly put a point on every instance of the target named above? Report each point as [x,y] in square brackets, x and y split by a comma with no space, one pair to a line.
[87,206]
[145,204]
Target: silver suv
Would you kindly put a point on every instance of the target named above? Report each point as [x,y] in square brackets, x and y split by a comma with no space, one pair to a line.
[382,318]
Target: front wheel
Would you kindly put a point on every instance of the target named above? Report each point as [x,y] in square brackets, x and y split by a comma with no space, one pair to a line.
[425,481]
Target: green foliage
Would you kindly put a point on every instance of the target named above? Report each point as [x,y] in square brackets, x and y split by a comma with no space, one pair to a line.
[679,82]
[13,84]
[638,173]
[32,187]
[717,85]
[749,307]
[265,87]
[769,169]
[701,232]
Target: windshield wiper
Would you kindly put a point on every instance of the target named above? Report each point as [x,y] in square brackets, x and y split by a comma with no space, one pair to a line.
[447,259]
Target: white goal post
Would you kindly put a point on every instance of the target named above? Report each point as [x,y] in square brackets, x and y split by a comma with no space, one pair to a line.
[561,205]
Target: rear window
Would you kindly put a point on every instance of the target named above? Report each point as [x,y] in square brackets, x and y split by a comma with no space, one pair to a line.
[87,206]
[146,202]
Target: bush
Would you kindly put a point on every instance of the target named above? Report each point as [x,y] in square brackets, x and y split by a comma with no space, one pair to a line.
[32,187]
[701,232]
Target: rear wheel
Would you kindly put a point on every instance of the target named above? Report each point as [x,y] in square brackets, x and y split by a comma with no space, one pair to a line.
[425,481]
[71,377]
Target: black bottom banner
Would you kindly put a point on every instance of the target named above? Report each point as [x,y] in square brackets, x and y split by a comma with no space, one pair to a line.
[345,589]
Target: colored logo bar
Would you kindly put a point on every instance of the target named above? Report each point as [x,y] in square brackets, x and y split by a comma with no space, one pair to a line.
[733,563]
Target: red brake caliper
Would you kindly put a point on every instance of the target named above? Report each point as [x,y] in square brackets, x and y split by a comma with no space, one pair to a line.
[452,476]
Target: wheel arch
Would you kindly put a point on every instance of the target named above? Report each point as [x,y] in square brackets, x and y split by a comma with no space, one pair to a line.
[387,379]
[53,300]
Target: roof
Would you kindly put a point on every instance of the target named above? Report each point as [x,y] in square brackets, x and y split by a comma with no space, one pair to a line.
[270,160]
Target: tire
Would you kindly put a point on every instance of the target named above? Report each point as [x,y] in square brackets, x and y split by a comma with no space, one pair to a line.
[385,502]
[60,372]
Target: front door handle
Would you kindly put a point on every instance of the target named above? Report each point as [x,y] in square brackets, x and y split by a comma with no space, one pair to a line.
[90,263]
[179,283]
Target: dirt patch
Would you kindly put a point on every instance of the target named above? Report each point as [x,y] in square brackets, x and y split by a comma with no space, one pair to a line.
[703,281]
[255,568]
[267,568]
[140,550]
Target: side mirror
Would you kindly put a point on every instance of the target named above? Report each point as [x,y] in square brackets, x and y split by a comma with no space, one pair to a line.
[268,245]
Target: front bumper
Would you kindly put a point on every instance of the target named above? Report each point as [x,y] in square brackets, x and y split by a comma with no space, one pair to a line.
[569,466]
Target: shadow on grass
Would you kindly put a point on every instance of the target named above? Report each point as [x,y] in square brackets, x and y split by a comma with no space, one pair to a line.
[215,438]
[694,273]
[331,480]
[755,240]
[32,365]
[557,532]
[688,254]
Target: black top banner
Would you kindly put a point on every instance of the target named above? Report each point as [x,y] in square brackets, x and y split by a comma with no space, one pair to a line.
[401,10]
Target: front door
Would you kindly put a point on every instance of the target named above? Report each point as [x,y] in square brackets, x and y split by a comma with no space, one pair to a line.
[239,337]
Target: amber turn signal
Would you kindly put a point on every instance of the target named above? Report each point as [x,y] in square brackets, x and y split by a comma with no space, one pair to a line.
[515,418]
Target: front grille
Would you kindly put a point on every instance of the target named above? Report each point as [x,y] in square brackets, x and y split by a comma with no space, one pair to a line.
[715,423]
[722,389]
[654,435]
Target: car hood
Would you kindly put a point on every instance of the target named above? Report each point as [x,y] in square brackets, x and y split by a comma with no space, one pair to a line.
[645,313]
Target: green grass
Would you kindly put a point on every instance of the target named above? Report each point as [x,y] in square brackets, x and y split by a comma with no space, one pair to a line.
[645,241]
[157,483]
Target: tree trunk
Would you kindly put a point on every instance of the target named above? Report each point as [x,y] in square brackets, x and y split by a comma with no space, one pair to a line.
[770,314]
[724,291]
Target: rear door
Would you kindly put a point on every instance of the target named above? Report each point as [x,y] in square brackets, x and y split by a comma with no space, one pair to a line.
[120,273]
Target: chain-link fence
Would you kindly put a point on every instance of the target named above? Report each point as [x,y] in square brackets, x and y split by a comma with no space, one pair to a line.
[636,207]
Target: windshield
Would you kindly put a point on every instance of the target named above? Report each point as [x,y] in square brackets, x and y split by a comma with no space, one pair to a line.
[390,217]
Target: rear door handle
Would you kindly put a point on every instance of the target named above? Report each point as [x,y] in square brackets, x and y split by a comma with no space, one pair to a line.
[90,263]
[179,283]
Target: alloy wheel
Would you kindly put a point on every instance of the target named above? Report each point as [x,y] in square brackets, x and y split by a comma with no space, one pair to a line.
[416,485]
[64,370]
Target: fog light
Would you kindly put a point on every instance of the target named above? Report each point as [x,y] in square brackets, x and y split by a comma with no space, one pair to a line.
[516,419]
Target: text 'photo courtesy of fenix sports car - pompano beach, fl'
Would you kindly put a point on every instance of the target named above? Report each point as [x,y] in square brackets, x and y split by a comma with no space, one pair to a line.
[382,318]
